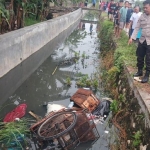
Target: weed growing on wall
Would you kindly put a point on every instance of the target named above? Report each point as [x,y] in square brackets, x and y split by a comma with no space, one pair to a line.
[114,106]
[107,47]
[106,36]
[137,139]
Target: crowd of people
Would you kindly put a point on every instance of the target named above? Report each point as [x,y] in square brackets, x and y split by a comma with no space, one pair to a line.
[121,14]
[136,24]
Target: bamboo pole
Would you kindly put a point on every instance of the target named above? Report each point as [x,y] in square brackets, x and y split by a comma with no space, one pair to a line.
[54,70]
[35,116]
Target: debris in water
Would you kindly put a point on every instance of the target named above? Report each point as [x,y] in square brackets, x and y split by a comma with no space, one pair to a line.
[18,112]
[71,105]
[16,102]
[35,116]
[54,108]
[85,99]
[102,109]
[67,128]
[106,131]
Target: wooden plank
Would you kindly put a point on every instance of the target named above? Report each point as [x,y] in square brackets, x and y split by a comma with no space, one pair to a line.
[35,116]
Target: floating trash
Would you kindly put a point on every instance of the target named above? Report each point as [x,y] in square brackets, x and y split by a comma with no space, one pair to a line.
[67,128]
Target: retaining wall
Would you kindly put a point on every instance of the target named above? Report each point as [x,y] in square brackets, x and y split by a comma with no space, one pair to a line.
[136,117]
[16,46]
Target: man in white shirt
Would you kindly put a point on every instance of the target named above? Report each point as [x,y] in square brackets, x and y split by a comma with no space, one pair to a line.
[134,19]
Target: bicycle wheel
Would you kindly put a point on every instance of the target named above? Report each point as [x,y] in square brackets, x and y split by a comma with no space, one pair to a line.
[57,125]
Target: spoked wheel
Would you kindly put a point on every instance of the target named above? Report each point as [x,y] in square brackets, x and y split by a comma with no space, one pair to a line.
[57,125]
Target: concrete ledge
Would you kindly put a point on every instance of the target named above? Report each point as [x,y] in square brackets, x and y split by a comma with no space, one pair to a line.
[142,97]
[16,46]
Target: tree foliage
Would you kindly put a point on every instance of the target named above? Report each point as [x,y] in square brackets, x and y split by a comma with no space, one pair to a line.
[139,3]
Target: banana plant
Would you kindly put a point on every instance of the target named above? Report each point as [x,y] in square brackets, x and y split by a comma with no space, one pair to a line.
[4,13]
[28,9]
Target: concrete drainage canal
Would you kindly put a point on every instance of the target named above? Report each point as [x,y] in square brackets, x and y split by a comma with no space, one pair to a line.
[62,96]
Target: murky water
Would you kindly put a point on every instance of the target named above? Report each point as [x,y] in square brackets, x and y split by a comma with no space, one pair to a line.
[42,86]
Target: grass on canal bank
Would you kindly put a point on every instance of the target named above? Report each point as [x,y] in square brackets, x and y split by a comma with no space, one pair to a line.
[127,52]
[31,21]
[115,53]
[118,58]
[122,50]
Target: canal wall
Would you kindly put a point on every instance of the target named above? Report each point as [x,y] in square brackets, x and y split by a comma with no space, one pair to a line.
[18,56]
[16,46]
[136,116]
[18,63]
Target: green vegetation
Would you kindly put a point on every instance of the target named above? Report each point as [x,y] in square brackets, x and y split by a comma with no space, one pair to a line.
[68,81]
[85,81]
[83,55]
[30,21]
[13,133]
[140,117]
[139,3]
[114,54]
[76,54]
[107,40]
[15,14]
[125,52]
[137,139]
[114,106]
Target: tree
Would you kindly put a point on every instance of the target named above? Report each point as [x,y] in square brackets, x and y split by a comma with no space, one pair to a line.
[139,3]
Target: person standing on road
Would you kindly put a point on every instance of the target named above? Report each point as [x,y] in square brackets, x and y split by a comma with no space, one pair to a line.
[143,50]
[122,17]
[102,5]
[94,2]
[85,3]
[112,9]
[109,9]
[116,23]
[129,13]
[134,19]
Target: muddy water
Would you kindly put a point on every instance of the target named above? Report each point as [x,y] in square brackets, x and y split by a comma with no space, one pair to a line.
[43,87]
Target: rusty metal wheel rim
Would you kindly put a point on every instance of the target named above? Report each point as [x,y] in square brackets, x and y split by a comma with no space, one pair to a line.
[61,133]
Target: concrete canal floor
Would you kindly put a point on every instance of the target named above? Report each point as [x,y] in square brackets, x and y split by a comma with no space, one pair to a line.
[42,86]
